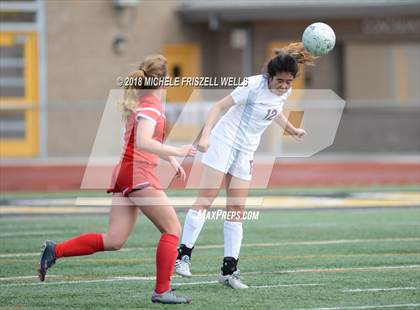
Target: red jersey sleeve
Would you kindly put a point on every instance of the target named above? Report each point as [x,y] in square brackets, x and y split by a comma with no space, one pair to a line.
[148,111]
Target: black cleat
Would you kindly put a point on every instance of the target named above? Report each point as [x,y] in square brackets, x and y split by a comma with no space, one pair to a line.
[46,259]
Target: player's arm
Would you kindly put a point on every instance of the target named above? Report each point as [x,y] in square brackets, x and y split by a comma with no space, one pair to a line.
[145,141]
[282,121]
[212,118]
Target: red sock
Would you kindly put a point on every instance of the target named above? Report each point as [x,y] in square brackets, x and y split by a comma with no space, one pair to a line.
[166,254]
[82,245]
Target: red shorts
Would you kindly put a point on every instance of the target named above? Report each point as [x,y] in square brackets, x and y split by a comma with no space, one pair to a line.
[129,176]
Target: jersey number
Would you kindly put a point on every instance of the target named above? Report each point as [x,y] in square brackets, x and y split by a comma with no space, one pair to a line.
[271,113]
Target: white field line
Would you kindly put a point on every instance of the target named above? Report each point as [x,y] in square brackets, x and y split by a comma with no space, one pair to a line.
[321,242]
[286,285]
[26,278]
[81,281]
[364,307]
[272,244]
[321,270]
[18,255]
[38,233]
[194,283]
[344,269]
[119,279]
[128,278]
[252,286]
[361,290]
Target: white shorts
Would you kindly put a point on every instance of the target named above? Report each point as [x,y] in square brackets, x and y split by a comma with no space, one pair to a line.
[227,159]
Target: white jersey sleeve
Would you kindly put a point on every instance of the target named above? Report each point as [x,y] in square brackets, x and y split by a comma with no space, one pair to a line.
[255,108]
[241,93]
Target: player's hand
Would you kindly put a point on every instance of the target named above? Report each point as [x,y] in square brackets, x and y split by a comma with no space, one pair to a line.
[187,150]
[299,134]
[180,172]
[203,144]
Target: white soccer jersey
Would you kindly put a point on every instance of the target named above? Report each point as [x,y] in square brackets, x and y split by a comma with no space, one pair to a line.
[254,110]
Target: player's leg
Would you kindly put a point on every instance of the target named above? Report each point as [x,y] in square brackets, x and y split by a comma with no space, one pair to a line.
[216,163]
[236,191]
[162,214]
[122,218]
[211,180]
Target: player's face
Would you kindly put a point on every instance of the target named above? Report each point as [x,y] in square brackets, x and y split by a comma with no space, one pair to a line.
[280,83]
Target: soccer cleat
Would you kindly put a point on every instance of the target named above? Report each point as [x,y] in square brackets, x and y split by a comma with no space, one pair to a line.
[232,280]
[46,259]
[182,266]
[169,297]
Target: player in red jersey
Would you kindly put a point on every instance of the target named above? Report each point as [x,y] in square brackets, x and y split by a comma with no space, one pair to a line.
[134,180]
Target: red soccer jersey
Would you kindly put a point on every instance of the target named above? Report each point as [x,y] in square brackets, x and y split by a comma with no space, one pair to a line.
[149,108]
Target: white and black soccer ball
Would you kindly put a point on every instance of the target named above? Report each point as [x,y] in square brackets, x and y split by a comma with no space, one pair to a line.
[318,39]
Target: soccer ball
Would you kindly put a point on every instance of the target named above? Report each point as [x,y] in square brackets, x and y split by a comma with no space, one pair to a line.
[318,39]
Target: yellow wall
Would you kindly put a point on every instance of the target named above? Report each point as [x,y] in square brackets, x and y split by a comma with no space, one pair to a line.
[187,57]
[28,146]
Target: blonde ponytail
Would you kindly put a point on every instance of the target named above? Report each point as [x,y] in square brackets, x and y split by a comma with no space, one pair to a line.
[154,66]
[129,103]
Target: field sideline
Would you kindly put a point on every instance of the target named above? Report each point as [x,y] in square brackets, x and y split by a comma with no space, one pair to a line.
[293,259]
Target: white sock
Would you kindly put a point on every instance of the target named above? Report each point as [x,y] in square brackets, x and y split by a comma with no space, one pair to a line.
[194,222]
[233,238]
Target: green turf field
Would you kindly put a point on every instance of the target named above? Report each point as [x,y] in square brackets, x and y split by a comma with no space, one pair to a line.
[338,259]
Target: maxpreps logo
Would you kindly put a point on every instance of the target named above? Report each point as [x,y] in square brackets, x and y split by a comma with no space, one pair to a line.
[229,215]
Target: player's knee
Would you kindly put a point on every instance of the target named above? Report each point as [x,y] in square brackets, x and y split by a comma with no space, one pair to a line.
[115,244]
[177,230]
[173,229]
